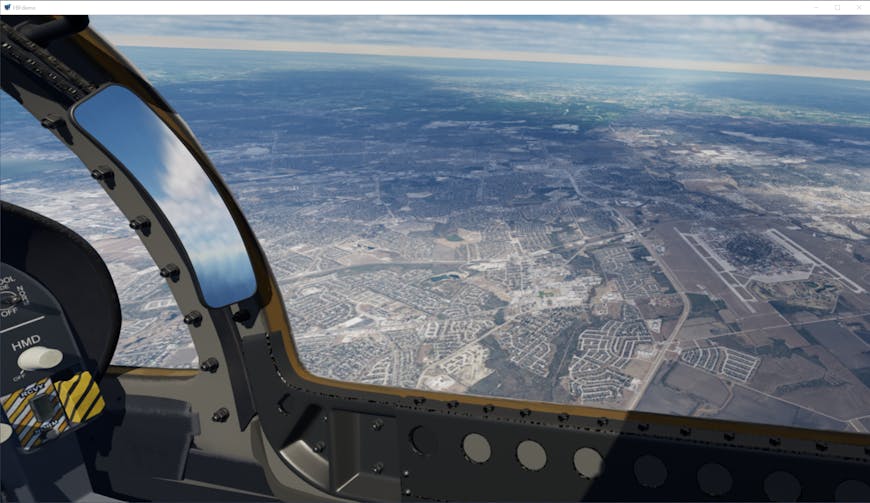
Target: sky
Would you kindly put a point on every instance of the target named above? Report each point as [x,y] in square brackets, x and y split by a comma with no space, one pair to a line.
[754,43]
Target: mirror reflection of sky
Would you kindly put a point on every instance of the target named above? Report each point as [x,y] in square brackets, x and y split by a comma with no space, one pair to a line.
[152,153]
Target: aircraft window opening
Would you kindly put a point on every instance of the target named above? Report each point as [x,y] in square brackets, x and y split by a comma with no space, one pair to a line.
[545,232]
[531,455]
[476,448]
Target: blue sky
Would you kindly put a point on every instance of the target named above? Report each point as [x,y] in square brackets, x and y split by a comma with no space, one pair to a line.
[816,41]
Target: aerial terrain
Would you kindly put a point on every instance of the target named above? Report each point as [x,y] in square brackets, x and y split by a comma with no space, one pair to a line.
[684,242]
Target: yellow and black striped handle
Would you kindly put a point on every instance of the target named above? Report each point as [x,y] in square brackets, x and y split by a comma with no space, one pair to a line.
[80,397]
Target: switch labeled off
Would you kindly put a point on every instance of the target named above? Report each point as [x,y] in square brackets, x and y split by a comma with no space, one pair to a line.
[39,358]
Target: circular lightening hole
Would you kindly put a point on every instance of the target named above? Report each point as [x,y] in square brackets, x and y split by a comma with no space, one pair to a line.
[476,448]
[531,455]
[423,441]
[588,462]
[714,479]
[650,471]
[782,486]
[852,490]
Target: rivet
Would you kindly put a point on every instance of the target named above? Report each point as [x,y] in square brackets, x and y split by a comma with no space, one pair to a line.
[51,122]
[319,446]
[209,365]
[525,413]
[220,415]
[102,173]
[378,467]
[563,417]
[170,271]
[602,422]
[407,492]
[241,315]
[377,424]
[193,318]
[488,408]
[140,223]
[406,473]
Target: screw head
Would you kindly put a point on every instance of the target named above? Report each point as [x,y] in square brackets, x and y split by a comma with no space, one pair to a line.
[378,467]
[221,415]
[209,365]
[241,315]
[320,446]
[50,121]
[140,223]
[102,174]
[377,424]
[488,408]
[170,271]
[525,413]
[193,318]
[406,473]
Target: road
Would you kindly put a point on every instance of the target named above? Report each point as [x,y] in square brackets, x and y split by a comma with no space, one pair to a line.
[666,344]
[648,378]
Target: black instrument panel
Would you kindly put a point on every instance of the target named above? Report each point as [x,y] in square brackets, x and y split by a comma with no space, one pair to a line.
[46,389]
[36,339]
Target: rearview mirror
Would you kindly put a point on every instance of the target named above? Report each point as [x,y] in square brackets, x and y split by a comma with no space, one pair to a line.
[158,160]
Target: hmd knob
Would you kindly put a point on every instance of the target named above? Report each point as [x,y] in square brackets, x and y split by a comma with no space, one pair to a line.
[39,358]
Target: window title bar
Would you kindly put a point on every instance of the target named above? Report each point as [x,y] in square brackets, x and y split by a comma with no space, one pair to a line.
[426,8]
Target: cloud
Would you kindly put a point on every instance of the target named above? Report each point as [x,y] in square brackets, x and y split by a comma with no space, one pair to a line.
[825,42]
